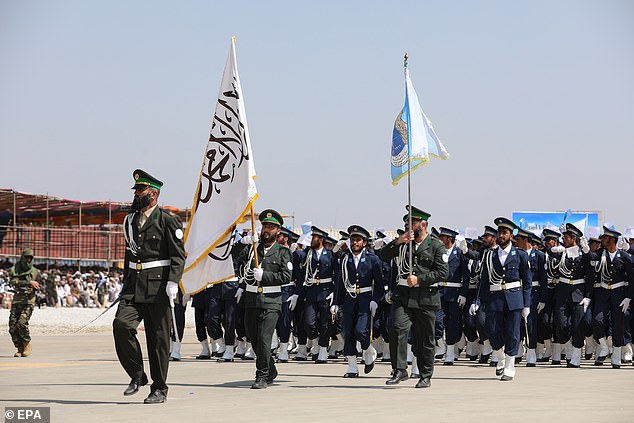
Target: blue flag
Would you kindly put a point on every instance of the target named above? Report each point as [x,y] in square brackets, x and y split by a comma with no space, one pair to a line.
[413,138]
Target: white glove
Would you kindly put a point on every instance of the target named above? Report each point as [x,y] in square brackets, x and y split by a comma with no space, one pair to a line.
[238,295]
[622,244]
[186,298]
[373,307]
[294,247]
[250,239]
[378,243]
[525,312]
[558,249]
[388,297]
[585,303]
[625,304]
[583,243]
[172,291]
[330,297]
[257,273]
[334,309]
[540,307]
[473,309]
[338,245]
[462,245]
[293,301]
[461,300]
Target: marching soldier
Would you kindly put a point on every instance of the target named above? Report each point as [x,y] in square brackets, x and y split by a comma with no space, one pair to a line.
[453,291]
[415,298]
[573,291]
[23,279]
[317,288]
[546,303]
[615,280]
[471,327]
[154,260]
[263,297]
[537,266]
[283,328]
[505,287]
[359,289]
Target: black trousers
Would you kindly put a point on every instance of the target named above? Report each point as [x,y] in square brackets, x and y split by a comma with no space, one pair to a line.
[316,320]
[423,321]
[568,322]
[156,318]
[222,313]
[259,324]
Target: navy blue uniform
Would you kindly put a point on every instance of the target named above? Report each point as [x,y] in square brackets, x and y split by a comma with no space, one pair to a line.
[457,284]
[356,287]
[317,288]
[505,289]
[615,280]
[539,290]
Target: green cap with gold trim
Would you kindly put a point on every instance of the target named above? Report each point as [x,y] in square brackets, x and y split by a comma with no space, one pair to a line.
[143,179]
[271,216]
[417,214]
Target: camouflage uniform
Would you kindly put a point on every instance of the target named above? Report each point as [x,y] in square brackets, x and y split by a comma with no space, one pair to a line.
[23,302]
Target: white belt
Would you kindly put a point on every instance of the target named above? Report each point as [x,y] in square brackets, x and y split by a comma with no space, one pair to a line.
[402,282]
[473,286]
[613,285]
[571,281]
[263,289]
[361,290]
[450,284]
[507,285]
[318,281]
[149,265]
[288,284]
[535,283]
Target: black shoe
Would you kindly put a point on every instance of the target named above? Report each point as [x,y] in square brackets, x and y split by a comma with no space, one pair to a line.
[225,360]
[398,376]
[543,359]
[493,364]
[447,363]
[569,365]
[300,359]
[599,360]
[351,375]
[414,376]
[424,382]
[484,358]
[156,397]
[555,362]
[272,375]
[531,365]
[616,366]
[505,377]
[385,360]
[203,357]
[518,360]
[238,356]
[134,385]
[472,357]
[368,368]
[174,358]
[259,383]
[499,372]
[588,356]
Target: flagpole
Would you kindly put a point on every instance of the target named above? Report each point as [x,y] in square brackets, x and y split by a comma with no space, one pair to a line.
[409,183]
[255,247]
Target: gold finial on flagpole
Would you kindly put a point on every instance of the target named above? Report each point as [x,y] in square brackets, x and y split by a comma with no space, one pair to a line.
[405,59]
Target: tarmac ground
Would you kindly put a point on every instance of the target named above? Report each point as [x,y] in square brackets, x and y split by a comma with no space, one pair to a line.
[79,377]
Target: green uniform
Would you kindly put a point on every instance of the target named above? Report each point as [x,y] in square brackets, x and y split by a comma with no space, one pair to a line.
[23,302]
[155,254]
[418,305]
[262,309]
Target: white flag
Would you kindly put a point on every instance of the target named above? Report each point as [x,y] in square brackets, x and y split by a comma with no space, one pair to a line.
[226,188]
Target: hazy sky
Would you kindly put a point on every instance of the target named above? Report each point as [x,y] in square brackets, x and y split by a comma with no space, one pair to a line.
[533,99]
